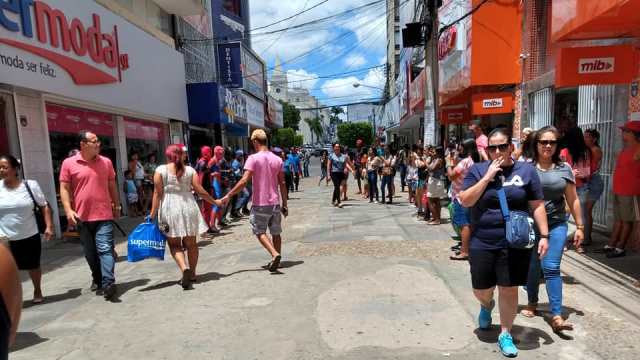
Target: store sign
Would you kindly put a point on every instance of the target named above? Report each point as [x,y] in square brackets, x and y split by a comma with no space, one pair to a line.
[81,50]
[233,106]
[447,42]
[416,94]
[255,111]
[230,61]
[275,115]
[492,103]
[253,73]
[596,65]
[64,36]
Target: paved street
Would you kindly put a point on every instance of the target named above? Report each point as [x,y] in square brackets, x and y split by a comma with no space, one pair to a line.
[363,282]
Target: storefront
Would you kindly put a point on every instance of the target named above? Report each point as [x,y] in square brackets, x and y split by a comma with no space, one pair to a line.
[91,70]
[255,113]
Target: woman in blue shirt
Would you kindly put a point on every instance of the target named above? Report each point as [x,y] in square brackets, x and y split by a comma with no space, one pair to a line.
[493,263]
[338,166]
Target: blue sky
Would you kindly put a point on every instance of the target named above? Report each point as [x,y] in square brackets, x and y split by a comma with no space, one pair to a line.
[354,41]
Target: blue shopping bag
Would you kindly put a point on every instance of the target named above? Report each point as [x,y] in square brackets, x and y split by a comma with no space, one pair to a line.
[146,241]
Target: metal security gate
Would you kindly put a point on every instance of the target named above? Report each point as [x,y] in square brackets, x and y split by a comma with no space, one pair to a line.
[541,108]
[596,108]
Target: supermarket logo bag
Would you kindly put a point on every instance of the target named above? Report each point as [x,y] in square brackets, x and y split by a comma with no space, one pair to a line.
[146,241]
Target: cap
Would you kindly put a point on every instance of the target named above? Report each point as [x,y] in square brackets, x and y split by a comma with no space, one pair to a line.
[631,126]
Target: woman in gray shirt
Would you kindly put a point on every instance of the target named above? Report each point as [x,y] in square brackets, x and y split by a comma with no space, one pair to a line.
[558,185]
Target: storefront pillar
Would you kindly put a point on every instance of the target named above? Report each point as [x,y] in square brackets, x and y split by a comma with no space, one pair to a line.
[120,143]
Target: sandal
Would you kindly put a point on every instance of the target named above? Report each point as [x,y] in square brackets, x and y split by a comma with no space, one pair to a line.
[459,257]
[558,324]
[273,265]
[529,311]
[434,222]
[186,279]
[37,301]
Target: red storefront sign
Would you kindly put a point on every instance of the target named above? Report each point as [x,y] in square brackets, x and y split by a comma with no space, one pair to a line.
[416,92]
[144,130]
[596,65]
[491,103]
[71,120]
[454,116]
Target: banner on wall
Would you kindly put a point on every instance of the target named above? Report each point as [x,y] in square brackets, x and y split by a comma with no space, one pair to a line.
[253,73]
[230,65]
[255,111]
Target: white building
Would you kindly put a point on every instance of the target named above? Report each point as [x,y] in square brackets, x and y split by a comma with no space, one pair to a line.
[362,113]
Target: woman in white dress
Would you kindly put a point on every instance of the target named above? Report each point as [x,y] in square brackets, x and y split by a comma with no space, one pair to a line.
[178,213]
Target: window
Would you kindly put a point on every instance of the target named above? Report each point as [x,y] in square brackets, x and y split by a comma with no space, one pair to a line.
[159,18]
[232,6]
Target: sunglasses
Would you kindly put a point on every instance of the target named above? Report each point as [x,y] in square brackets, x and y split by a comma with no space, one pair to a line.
[501,147]
[548,142]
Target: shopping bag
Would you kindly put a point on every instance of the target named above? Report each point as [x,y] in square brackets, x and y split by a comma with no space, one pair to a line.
[146,241]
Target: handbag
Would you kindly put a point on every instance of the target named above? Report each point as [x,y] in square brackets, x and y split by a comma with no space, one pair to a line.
[37,211]
[518,225]
[146,241]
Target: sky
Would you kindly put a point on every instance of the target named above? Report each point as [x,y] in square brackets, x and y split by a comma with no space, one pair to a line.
[349,43]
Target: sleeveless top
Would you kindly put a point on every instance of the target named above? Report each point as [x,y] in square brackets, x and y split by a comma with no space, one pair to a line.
[337,162]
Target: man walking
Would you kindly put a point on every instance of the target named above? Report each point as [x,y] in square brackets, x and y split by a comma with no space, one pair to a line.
[264,169]
[90,198]
[481,140]
[296,167]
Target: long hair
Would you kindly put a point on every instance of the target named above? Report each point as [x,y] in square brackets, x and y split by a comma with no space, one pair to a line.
[470,148]
[555,158]
[174,155]
[574,140]
[595,134]
[529,145]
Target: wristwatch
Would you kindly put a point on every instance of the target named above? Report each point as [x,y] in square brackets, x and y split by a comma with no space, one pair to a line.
[580,227]
[544,236]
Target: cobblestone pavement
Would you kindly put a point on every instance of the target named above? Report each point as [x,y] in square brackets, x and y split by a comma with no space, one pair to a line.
[367,281]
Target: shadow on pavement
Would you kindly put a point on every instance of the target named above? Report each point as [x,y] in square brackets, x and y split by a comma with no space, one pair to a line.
[26,339]
[526,338]
[122,288]
[48,299]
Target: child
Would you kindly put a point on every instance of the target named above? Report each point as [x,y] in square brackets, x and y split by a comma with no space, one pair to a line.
[412,178]
[132,193]
[626,192]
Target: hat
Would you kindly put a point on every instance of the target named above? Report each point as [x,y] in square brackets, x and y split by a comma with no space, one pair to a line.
[631,126]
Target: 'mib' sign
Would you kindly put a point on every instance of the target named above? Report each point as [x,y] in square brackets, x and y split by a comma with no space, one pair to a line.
[71,37]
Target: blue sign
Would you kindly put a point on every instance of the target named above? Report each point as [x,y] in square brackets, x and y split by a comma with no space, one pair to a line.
[204,104]
[229,65]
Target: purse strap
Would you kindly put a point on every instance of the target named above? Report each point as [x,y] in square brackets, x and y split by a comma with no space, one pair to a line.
[33,199]
[504,207]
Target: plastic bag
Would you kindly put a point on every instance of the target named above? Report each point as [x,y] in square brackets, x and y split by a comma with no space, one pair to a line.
[146,241]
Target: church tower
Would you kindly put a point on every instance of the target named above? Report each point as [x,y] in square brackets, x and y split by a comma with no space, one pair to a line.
[279,85]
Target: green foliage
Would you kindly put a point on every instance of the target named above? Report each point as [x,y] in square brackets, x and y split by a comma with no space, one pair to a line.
[291,116]
[298,140]
[284,137]
[335,112]
[348,133]
[315,125]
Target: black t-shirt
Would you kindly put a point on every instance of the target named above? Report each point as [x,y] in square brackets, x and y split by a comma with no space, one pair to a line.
[521,185]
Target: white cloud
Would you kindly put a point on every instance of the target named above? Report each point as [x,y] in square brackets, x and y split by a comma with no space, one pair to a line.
[343,91]
[355,60]
[301,78]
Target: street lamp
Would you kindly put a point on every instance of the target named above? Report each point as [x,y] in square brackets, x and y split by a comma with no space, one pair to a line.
[357,85]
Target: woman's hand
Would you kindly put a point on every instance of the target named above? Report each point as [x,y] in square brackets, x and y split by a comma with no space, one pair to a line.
[543,246]
[494,168]
[578,238]
[48,233]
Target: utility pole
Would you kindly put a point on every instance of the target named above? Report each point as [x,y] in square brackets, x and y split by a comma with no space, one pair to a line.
[431,130]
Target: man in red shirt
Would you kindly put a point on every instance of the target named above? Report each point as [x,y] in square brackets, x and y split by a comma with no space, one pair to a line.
[481,140]
[91,202]
[626,190]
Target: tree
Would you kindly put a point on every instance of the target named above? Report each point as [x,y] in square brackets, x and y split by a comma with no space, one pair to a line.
[284,137]
[298,140]
[348,133]
[315,125]
[334,118]
[291,116]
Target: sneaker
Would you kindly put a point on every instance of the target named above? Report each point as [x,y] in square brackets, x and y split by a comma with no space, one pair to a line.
[616,253]
[505,343]
[110,292]
[607,249]
[484,318]
[94,286]
[340,205]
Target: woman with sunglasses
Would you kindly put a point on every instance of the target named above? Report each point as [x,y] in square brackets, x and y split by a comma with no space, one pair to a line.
[558,186]
[493,262]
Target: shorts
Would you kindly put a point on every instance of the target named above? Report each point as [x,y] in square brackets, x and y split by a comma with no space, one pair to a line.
[435,188]
[502,267]
[626,208]
[26,252]
[460,216]
[263,217]
[412,184]
[596,188]
[132,198]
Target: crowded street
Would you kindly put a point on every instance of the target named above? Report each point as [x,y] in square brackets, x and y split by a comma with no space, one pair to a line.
[368,281]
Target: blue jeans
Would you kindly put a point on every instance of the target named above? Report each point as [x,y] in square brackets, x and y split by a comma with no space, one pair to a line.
[372,175]
[550,268]
[97,243]
[387,180]
[403,175]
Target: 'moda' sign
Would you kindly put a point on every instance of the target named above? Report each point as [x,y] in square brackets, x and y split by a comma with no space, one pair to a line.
[73,40]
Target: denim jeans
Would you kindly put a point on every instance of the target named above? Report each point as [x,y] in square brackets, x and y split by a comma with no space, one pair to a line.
[387,181]
[550,268]
[372,176]
[403,175]
[243,198]
[97,243]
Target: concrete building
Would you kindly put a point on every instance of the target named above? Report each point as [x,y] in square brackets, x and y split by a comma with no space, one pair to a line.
[394,42]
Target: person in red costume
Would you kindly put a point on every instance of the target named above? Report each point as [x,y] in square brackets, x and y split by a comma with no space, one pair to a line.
[204,178]
[215,171]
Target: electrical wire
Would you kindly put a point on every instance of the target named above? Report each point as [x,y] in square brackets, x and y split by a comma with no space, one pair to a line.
[284,32]
[292,16]
[476,8]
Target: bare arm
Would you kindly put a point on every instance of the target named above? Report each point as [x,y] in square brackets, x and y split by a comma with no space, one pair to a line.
[240,184]
[574,204]
[10,290]
[115,198]
[469,197]
[435,164]
[540,217]
[48,233]
[195,184]
[158,193]
[284,192]
[65,197]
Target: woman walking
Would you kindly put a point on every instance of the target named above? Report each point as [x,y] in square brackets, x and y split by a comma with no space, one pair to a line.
[457,173]
[493,262]
[411,179]
[595,183]
[324,157]
[338,166]
[436,186]
[421,164]
[178,212]
[374,162]
[18,200]
[558,186]
[388,164]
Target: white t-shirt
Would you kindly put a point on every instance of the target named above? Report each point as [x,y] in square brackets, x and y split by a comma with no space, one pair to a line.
[17,221]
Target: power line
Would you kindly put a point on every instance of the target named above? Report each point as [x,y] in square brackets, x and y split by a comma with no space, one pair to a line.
[282,33]
[476,8]
[292,16]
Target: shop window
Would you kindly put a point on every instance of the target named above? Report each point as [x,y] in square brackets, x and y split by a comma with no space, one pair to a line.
[233,6]
[146,138]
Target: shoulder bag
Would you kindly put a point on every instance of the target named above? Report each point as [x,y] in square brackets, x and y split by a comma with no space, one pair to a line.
[518,225]
[37,211]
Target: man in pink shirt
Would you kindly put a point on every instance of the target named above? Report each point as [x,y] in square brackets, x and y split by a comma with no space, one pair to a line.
[265,171]
[481,140]
[90,198]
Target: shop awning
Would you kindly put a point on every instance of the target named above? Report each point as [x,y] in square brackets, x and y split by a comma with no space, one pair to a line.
[491,103]
[595,19]
[596,65]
